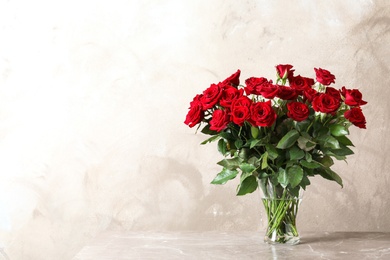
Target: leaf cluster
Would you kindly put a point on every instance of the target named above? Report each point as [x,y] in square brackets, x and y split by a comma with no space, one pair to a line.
[286,155]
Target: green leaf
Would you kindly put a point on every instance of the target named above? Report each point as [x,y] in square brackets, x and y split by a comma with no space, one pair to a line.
[258,142]
[303,125]
[226,135]
[211,139]
[230,164]
[244,154]
[322,130]
[222,148]
[332,143]
[344,140]
[262,175]
[253,143]
[338,130]
[325,161]
[254,131]
[306,144]
[305,182]
[272,152]
[206,130]
[264,161]
[295,175]
[296,153]
[328,174]
[282,177]
[310,165]
[306,135]
[294,191]
[288,139]
[224,176]
[343,151]
[254,161]
[238,143]
[247,185]
[245,175]
[308,157]
[310,172]
[246,167]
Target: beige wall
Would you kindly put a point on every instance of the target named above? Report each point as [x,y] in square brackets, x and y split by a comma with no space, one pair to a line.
[93,95]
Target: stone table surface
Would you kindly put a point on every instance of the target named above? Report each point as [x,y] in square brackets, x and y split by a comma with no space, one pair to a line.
[236,245]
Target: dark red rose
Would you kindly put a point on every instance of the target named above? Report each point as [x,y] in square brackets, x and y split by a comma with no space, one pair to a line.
[269,90]
[356,117]
[353,97]
[240,110]
[253,85]
[240,114]
[242,101]
[310,93]
[324,77]
[195,114]
[287,93]
[298,111]
[325,103]
[219,120]
[211,96]
[233,80]
[196,100]
[284,71]
[262,114]
[333,92]
[300,83]
[229,94]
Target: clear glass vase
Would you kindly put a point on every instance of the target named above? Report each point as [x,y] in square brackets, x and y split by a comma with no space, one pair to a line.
[281,209]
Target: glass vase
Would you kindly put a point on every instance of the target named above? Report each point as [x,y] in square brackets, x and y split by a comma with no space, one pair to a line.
[281,209]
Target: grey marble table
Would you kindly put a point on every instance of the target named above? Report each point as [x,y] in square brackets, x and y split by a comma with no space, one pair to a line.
[238,245]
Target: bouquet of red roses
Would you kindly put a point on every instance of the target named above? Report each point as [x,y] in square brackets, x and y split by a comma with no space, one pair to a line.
[279,133]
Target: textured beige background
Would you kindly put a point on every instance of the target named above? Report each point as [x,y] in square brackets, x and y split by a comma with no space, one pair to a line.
[93,95]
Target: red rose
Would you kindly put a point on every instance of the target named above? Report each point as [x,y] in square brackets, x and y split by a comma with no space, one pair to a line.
[356,117]
[195,114]
[239,114]
[242,101]
[262,114]
[240,110]
[325,103]
[333,92]
[211,96]
[219,120]
[300,83]
[298,111]
[287,93]
[324,77]
[309,94]
[229,94]
[284,71]
[253,85]
[353,97]
[269,90]
[233,80]
[196,100]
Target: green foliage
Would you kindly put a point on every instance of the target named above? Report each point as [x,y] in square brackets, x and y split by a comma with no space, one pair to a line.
[224,176]
[327,173]
[287,162]
[294,175]
[285,153]
[248,185]
[338,130]
[288,140]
